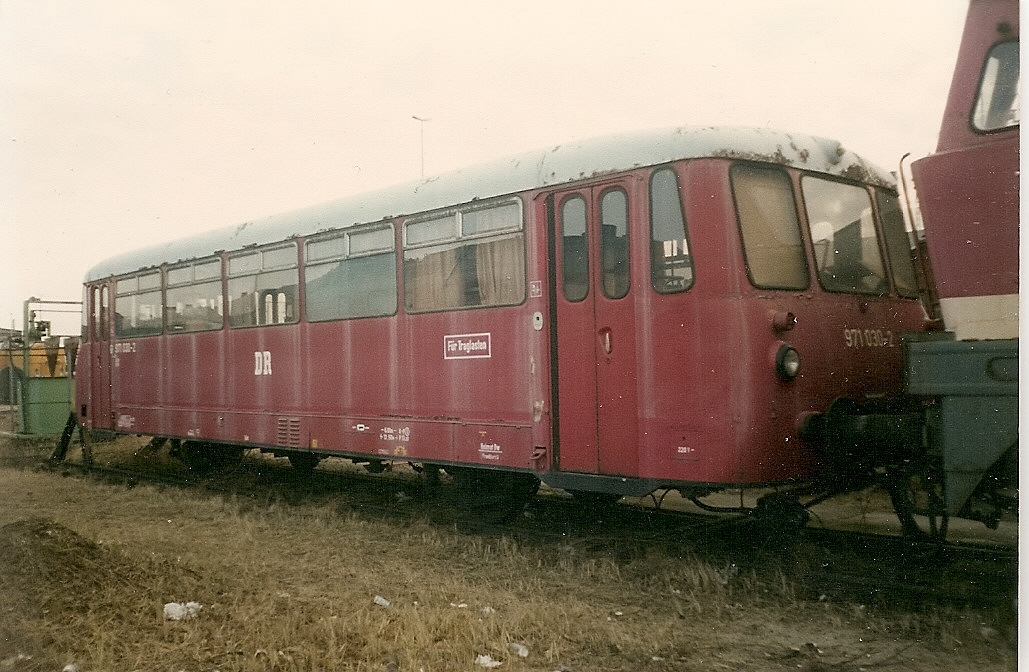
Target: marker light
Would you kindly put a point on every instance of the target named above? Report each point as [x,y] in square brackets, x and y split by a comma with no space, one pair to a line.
[787,363]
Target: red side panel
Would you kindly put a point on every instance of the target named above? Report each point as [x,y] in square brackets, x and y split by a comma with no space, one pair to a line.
[969,202]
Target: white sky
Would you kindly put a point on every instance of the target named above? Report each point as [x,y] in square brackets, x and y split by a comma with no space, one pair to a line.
[130,122]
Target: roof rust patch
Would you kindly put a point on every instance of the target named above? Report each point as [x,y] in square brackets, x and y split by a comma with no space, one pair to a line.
[777,157]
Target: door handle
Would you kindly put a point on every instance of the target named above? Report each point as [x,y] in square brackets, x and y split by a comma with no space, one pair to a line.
[605,339]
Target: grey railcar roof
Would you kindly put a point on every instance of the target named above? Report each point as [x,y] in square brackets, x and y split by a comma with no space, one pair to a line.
[543,168]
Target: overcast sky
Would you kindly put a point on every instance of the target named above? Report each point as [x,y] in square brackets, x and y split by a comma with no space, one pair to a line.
[131,122]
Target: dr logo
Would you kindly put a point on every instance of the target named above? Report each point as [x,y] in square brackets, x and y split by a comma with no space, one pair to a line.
[262,363]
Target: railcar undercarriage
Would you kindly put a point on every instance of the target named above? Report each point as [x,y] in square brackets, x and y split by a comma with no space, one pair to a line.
[897,445]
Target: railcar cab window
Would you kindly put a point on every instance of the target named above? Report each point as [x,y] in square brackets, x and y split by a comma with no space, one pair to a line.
[772,244]
[193,300]
[844,236]
[351,274]
[263,286]
[899,246]
[997,103]
[471,257]
[137,305]
[671,266]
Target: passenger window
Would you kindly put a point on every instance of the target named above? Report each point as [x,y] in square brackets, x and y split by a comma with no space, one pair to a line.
[263,286]
[614,243]
[671,267]
[845,241]
[898,244]
[997,103]
[769,227]
[469,258]
[193,300]
[574,251]
[351,274]
[137,305]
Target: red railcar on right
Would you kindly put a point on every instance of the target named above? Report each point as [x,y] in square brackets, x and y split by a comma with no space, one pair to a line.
[967,193]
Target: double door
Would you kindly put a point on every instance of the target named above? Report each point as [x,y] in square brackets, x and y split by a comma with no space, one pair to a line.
[594,328]
[101,357]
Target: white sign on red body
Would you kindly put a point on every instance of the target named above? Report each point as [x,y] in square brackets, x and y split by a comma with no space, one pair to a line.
[467,346]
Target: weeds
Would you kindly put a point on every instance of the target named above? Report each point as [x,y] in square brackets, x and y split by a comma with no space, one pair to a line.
[292,587]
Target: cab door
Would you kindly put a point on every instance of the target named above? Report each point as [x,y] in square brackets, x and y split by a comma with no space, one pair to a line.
[100,357]
[594,329]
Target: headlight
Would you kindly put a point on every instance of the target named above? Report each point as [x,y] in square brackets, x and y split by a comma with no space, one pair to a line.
[787,362]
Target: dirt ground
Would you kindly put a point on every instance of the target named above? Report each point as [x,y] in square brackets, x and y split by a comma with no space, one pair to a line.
[87,569]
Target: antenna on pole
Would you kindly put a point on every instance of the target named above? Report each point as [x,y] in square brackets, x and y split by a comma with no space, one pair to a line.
[421,127]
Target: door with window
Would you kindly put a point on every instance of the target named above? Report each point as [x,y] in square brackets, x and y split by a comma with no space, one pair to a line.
[595,396]
[100,357]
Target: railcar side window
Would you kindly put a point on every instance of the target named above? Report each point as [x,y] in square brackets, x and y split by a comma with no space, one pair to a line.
[769,226]
[193,300]
[574,250]
[137,305]
[614,243]
[844,236]
[997,103]
[471,257]
[263,286]
[351,274]
[898,244]
[671,267]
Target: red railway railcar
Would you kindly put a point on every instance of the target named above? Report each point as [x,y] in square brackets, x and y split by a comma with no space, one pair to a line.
[968,193]
[968,188]
[668,309]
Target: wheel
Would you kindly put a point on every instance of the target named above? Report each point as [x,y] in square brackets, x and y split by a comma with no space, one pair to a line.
[594,500]
[205,458]
[304,463]
[781,513]
[376,466]
[918,491]
[492,496]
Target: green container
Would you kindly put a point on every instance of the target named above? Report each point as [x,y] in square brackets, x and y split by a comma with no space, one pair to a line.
[46,403]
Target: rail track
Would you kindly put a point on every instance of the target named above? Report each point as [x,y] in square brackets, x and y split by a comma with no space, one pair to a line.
[867,568]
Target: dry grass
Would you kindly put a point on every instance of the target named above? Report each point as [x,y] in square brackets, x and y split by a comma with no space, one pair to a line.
[86,567]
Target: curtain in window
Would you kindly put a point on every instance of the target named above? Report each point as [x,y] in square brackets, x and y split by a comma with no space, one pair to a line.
[433,281]
[500,267]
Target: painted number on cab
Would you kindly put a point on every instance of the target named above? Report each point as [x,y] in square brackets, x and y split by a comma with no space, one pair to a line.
[868,338]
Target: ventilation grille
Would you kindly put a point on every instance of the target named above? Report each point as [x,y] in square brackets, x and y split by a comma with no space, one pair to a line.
[288,433]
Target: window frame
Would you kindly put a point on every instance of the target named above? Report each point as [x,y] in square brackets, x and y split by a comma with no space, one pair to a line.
[172,285]
[618,270]
[872,210]
[914,292]
[119,296]
[687,254]
[584,253]
[791,199]
[455,238]
[292,263]
[346,254]
[977,111]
